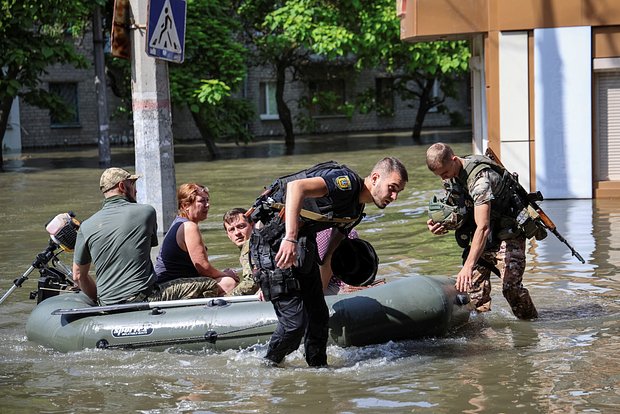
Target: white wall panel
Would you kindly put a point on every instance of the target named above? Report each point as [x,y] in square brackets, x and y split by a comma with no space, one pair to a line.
[514,104]
[513,86]
[478,95]
[563,112]
[516,159]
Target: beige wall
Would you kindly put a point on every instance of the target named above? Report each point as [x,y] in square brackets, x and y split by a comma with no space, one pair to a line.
[431,19]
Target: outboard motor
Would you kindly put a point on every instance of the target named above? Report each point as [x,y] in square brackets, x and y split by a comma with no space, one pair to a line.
[63,230]
[54,275]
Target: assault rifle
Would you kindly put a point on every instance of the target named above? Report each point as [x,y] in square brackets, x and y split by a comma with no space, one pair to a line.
[531,199]
[260,210]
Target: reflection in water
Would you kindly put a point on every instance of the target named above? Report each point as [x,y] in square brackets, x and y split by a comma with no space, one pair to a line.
[566,361]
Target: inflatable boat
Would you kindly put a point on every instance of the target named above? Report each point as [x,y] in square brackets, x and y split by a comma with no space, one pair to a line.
[406,308]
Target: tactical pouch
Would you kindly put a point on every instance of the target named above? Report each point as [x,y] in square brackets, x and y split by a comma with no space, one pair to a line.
[272,231]
[529,222]
[277,283]
[283,283]
[529,228]
[292,285]
[265,284]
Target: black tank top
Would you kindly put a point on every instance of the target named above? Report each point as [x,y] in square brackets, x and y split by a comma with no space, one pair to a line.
[172,262]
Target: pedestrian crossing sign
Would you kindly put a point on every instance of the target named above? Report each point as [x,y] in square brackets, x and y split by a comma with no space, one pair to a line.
[166,29]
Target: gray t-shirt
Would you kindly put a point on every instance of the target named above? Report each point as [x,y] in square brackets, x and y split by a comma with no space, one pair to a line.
[117,240]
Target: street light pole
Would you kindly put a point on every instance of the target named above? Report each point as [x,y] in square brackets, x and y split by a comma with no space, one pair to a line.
[103,120]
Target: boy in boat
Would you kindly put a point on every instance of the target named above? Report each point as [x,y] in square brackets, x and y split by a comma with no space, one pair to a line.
[238,229]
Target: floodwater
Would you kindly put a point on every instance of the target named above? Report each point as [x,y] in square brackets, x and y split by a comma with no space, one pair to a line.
[565,362]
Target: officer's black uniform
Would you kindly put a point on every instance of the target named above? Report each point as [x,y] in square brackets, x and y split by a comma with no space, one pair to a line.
[297,293]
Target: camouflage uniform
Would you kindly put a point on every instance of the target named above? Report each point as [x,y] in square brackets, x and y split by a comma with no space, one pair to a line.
[247,285]
[186,288]
[506,253]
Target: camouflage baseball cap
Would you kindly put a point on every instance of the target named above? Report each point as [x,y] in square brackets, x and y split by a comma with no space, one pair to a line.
[112,176]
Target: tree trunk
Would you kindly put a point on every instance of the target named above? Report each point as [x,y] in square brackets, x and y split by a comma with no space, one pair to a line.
[283,110]
[423,108]
[5,109]
[205,133]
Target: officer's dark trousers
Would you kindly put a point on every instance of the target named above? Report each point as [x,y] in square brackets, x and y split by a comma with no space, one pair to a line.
[299,313]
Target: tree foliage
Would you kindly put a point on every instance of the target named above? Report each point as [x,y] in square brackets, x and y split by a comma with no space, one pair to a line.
[208,80]
[35,35]
[213,70]
[288,36]
[415,67]
[291,36]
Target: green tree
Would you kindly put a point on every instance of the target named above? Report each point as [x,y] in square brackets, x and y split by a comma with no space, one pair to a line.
[207,80]
[287,36]
[291,36]
[36,34]
[213,70]
[415,67]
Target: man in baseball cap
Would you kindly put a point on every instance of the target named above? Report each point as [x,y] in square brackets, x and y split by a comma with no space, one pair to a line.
[112,176]
[117,239]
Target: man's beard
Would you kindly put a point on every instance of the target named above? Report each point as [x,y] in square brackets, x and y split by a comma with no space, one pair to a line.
[381,206]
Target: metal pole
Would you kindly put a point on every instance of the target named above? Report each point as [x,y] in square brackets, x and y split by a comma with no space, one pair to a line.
[152,120]
[103,139]
[17,283]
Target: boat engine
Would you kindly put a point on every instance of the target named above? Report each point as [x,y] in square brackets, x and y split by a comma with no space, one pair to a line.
[54,276]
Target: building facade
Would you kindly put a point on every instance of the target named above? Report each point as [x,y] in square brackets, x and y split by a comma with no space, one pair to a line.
[545,85]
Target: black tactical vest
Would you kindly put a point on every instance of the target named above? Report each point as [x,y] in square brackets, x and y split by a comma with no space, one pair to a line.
[266,238]
[351,212]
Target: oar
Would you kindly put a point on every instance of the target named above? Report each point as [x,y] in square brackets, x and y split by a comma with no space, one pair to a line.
[127,307]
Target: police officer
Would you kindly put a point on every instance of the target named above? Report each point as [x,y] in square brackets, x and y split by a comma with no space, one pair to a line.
[494,240]
[283,250]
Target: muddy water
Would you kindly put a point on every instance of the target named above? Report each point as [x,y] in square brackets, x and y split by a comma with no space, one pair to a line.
[567,361]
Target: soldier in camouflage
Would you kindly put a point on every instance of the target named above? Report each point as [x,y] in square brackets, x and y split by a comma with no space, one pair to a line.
[492,241]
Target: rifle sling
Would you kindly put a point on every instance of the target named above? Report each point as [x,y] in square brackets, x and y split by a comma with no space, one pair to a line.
[311,215]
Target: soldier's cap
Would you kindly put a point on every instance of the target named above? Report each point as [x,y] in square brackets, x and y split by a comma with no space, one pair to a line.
[112,176]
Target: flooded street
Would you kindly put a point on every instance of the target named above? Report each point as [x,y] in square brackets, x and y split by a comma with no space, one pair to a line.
[568,361]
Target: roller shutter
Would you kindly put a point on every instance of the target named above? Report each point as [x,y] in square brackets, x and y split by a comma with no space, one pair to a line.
[608,119]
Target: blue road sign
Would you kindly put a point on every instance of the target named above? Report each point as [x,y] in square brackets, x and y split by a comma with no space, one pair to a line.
[166,29]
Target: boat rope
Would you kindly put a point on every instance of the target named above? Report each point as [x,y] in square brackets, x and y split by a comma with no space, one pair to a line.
[247,328]
[210,337]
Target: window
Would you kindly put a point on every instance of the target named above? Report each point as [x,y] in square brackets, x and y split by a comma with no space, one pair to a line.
[384,98]
[327,97]
[268,105]
[68,92]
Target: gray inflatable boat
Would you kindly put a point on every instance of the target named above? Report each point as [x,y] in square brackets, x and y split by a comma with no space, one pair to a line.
[406,308]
